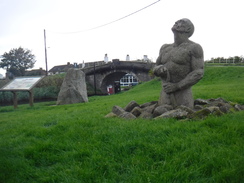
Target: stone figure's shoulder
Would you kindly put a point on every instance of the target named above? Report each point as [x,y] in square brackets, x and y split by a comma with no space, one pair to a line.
[193,45]
[165,46]
[195,48]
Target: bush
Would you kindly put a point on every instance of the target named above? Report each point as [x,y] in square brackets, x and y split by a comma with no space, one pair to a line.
[3,82]
[54,80]
[7,97]
[48,92]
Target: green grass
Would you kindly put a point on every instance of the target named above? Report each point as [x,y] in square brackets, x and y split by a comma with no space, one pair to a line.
[225,82]
[75,143]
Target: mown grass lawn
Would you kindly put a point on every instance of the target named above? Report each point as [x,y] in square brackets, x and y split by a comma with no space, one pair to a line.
[75,143]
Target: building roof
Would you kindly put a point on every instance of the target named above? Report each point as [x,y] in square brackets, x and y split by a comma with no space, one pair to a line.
[61,68]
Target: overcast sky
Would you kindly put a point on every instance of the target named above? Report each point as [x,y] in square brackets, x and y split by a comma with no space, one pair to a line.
[219,28]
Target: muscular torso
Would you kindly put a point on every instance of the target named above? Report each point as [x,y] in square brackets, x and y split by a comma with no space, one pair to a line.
[177,59]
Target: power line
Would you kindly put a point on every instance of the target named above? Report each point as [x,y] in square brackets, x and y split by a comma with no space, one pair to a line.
[103,25]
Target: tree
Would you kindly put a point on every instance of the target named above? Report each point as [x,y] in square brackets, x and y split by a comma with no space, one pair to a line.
[17,60]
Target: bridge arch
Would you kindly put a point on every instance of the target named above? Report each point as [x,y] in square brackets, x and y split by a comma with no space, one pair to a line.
[110,78]
[102,76]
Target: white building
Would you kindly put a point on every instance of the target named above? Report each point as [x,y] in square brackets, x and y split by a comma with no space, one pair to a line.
[128,80]
[1,76]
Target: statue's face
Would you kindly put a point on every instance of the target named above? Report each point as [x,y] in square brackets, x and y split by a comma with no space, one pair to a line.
[179,26]
[183,26]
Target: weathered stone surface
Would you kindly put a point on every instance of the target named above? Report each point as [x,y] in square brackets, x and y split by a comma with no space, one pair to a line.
[187,109]
[146,115]
[201,114]
[148,104]
[127,115]
[198,107]
[218,100]
[215,107]
[176,113]
[136,111]
[200,102]
[161,109]
[215,110]
[225,108]
[238,107]
[149,109]
[118,110]
[110,115]
[131,106]
[73,89]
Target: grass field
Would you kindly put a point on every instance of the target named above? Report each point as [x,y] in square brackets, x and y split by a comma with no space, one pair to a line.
[75,143]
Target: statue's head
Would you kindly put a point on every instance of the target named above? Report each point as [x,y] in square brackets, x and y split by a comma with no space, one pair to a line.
[184,26]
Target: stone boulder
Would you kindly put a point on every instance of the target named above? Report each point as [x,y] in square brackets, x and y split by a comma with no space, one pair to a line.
[118,110]
[148,104]
[73,89]
[175,113]
[127,115]
[136,111]
[131,106]
[161,109]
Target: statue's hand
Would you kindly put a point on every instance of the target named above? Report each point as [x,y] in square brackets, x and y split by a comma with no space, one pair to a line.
[160,71]
[170,87]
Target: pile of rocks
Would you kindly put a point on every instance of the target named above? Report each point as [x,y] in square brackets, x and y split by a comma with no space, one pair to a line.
[151,110]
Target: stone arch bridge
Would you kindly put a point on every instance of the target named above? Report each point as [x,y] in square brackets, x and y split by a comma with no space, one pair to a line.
[104,75]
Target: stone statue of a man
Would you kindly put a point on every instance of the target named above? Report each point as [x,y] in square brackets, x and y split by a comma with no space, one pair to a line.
[180,65]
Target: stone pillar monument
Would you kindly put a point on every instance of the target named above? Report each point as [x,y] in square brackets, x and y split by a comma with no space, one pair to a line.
[73,89]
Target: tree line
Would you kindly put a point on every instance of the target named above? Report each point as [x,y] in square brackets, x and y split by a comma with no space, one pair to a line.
[235,60]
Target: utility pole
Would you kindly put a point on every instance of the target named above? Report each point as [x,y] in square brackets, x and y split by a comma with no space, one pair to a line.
[95,84]
[45,51]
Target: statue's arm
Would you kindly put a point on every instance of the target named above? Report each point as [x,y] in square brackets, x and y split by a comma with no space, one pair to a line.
[197,67]
[158,61]
[159,70]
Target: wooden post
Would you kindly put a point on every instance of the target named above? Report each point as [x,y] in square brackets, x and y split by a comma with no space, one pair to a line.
[95,84]
[31,98]
[15,99]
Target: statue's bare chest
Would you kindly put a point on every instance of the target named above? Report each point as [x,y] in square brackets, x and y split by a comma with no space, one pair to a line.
[177,60]
[175,55]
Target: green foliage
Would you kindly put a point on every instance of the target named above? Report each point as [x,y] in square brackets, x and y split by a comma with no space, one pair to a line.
[151,73]
[2,82]
[17,60]
[233,60]
[53,80]
[7,97]
[49,92]
[75,143]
